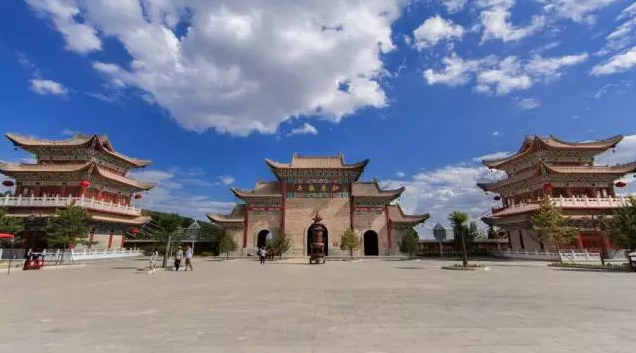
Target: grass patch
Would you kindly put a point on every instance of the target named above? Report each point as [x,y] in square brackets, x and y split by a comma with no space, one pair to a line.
[461,267]
[606,267]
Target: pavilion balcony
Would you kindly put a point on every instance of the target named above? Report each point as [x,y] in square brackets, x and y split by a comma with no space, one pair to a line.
[564,202]
[58,201]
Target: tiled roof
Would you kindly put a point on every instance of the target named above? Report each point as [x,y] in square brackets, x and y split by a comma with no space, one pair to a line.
[531,143]
[317,162]
[10,168]
[237,215]
[103,143]
[519,177]
[396,215]
[264,189]
[370,189]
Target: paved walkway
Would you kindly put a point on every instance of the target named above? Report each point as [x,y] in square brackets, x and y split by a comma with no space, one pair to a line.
[365,306]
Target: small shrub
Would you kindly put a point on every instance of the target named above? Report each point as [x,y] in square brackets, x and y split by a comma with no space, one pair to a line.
[607,267]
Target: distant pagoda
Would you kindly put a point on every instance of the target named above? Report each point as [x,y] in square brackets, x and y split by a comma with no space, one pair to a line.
[83,171]
[565,172]
[318,184]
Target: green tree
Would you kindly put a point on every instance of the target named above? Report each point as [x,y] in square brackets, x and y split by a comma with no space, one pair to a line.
[167,228]
[280,243]
[349,241]
[69,226]
[552,226]
[410,243]
[9,224]
[460,232]
[227,244]
[621,226]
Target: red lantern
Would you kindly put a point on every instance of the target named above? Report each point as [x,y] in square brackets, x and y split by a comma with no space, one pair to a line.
[620,184]
[134,231]
[137,196]
[547,186]
[84,183]
[497,198]
[7,183]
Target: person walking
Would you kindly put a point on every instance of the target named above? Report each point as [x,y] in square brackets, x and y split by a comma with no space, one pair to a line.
[178,256]
[188,258]
[262,253]
[154,255]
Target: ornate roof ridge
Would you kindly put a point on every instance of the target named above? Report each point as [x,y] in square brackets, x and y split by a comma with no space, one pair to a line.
[103,145]
[616,169]
[397,215]
[530,144]
[316,162]
[261,189]
[236,215]
[357,191]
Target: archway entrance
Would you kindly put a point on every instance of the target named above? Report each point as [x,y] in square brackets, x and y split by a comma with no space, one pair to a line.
[371,243]
[310,240]
[261,238]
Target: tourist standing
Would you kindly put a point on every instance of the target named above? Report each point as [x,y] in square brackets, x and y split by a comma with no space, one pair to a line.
[154,255]
[178,256]
[188,258]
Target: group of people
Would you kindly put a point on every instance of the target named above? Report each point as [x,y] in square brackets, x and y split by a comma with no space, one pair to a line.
[184,252]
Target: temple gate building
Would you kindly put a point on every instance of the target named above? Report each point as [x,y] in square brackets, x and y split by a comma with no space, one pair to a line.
[565,172]
[83,171]
[324,185]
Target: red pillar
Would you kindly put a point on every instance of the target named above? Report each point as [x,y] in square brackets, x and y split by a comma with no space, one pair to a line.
[110,240]
[351,210]
[247,213]
[282,215]
[579,242]
[123,237]
[388,226]
[605,241]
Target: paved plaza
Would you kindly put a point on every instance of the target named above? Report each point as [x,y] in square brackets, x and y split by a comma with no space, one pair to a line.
[365,306]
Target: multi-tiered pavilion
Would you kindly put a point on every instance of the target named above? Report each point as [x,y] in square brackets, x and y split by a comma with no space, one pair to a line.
[565,172]
[83,171]
[325,185]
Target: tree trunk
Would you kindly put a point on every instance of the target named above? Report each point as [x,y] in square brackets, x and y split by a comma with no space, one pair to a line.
[351,253]
[465,253]
[227,255]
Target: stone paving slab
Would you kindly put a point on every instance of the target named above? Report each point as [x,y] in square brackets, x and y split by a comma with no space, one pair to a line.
[359,306]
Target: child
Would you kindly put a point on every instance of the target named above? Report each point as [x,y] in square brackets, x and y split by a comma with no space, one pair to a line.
[154,255]
[178,256]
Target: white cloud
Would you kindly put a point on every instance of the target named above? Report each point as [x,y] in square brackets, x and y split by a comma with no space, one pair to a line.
[434,30]
[496,133]
[454,6]
[441,191]
[617,87]
[306,129]
[548,68]
[625,152]
[455,73]
[508,76]
[495,19]
[576,10]
[169,196]
[400,174]
[158,177]
[496,155]
[196,182]
[41,86]
[617,63]
[69,132]
[79,37]
[501,76]
[227,180]
[529,103]
[244,66]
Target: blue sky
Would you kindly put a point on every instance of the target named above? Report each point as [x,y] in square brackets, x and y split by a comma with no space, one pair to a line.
[207,90]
